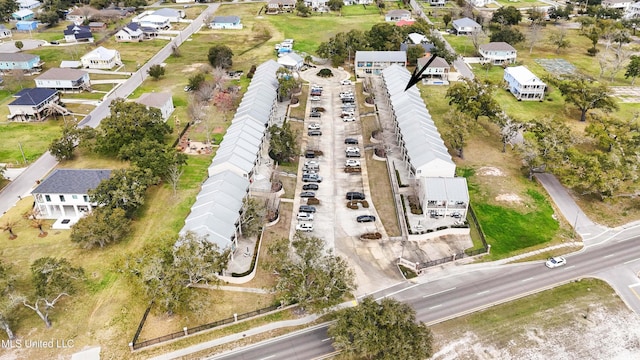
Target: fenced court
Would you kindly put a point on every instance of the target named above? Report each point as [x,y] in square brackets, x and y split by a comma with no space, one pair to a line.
[557,66]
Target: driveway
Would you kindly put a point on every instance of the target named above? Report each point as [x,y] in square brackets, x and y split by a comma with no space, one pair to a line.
[10,47]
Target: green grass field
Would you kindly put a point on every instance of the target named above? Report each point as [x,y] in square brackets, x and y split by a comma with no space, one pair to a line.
[34,137]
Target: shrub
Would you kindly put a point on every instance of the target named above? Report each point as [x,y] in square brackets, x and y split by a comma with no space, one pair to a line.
[365,204]
[414,204]
[371,236]
[313,201]
[325,73]
[294,100]
[353,205]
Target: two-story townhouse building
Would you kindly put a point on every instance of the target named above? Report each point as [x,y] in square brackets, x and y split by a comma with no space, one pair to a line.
[617,4]
[33,104]
[28,4]
[20,61]
[101,58]
[633,11]
[64,80]
[64,194]
[369,63]
[316,5]
[498,53]
[523,84]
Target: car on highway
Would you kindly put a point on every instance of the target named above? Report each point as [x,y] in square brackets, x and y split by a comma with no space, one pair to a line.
[304,227]
[310,187]
[307,209]
[348,119]
[352,163]
[303,216]
[554,262]
[307,194]
[345,82]
[314,132]
[365,218]
[354,195]
[351,141]
[311,178]
[313,126]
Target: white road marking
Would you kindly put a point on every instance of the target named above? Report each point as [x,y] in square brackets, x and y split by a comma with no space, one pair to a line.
[484,292]
[569,267]
[397,292]
[439,292]
[527,279]
[433,307]
[268,357]
[327,339]
[608,256]
[630,261]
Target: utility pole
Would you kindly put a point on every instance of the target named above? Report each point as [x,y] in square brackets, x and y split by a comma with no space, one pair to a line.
[22,151]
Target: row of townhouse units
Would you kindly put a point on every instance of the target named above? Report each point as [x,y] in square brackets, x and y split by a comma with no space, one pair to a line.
[424,153]
[216,214]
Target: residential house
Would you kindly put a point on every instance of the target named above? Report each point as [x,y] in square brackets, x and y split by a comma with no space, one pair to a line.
[316,5]
[291,61]
[154,21]
[438,69]
[34,104]
[405,22]
[101,58]
[617,4]
[4,32]
[64,80]
[523,84]
[633,11]
[174,15]
[20,61]
[465,26]
[280,6]
[373,62]
[130,33]
[497,53]
[79,15]
[27,25]
[162,101]
[22,15]
[97,26]
[28,4]
[397,15]
[226,22]
[78,33]
[437,2]
[64,194]
[357,2]
[184,1]
[444,196]
[416,38]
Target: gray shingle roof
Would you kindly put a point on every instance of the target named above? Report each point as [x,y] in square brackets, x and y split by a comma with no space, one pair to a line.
[62,74]
[71,181]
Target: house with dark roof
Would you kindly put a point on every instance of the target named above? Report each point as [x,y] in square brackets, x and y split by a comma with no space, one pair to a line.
[78,33]
[497,53]
[20,61]
[162,101]
[226,22]
[438,69]
[34,104]
[133,32]
[64,193]
[465,26]
[64,80]
[369,63]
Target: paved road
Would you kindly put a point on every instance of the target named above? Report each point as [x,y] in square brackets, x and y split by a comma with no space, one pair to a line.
[452,296]
[22,185]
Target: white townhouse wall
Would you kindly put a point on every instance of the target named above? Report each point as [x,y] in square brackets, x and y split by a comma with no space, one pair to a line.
[369,63]
[617,4]
[64,193]
[523,84]
[444,196]
[162,101]
[64,79]
[633,11]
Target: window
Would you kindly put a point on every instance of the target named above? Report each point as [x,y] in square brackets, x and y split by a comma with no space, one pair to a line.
[62,198]
[47,198]
[85,198]
[74,197]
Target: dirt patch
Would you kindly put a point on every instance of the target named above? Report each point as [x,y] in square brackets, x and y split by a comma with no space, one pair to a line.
[193,67]
[490,171]
[510,198]
[218,130]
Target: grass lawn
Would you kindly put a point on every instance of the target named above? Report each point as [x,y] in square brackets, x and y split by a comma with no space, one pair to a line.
[520,3]
[562,311]
[382,197]
[34,137]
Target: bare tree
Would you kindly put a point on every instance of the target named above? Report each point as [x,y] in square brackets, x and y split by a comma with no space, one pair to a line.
[39,224]
[477,38]
[206,92]
[618,61]
[220,78]
[534,35]
[559,40]
[8,226]
[173,177]
[604,62]
[195,109]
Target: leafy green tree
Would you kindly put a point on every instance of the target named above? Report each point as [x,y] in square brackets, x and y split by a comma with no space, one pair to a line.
[559,40]
[52,278]
[446,19]
[592,33]
[474,98]
[507,15]
[63,148]
[220,56]
[335,5]
[253,216]
[508,34]
[385,331]
[8,7]
[9,300]
[156,71]
[102,227]
[308,273]
[457,131]
[198,260]
[633,69]
[196,81]
[587,95]
[18,44]
[129,123]
[286,83]
[302,9]
[51,18]
[125,189]
[152,155]
[385,37]
[414,53]
[3,169]
[282,142]
[440,49]
[546,145]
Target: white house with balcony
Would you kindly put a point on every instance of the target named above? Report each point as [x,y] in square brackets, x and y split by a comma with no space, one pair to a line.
[523,84]
[465,26]
[64,79]
[101,58]
[498,53]
[34,104]
[63,195]
[157,22]
[369,63]
[617,4]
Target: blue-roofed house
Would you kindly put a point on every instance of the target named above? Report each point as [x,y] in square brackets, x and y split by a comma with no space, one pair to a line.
[226,22]
[465,26]
[26,25]
[34,104]
[64,193]
[78,33]
[20,61]
[23,14]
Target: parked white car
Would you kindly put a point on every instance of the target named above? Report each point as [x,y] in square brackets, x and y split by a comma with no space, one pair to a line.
[352,163]
[314,126]
[345,82]
[304,227]
[349,119]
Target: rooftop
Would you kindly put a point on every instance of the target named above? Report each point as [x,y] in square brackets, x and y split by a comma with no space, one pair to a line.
[71,181]
[62,74]
[33,96]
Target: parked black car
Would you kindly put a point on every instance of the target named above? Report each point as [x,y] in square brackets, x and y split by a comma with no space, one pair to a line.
[309,154]
[354,195]
[365,218]
[307,194]
[307,209]
[310,187]
[351,141]
[314,133]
